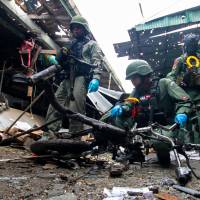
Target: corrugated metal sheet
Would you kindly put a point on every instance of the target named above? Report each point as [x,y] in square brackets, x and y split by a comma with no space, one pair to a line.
[100,102]
[111,93]
[183,17]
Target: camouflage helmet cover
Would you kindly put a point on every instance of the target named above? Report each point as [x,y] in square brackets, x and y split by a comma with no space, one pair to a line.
[140,67]
[80,20]
[191,43]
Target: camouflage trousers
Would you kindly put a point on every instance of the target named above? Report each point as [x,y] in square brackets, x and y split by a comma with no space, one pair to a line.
[77,104]
[194,127]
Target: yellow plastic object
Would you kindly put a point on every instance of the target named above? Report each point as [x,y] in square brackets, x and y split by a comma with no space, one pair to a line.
[197,62]
[132,100]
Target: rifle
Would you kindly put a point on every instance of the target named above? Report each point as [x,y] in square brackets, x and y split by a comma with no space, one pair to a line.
[53,69]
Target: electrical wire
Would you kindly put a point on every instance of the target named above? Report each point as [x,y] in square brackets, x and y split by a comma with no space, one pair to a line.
[190,167]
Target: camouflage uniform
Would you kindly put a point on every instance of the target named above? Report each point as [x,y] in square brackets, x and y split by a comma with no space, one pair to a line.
[188,77]
[72,93]
[165,99]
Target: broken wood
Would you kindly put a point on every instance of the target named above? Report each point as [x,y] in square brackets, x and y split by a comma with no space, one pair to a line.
[14,131]
[51,13]
[43,51]
[26,109]
[8,141]
[47,16]
[166,196]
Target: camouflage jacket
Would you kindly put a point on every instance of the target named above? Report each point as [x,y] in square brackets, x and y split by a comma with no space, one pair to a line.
[86,50]
[180,71]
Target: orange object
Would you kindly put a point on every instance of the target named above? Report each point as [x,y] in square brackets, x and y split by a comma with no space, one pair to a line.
[132,100]
[166,196]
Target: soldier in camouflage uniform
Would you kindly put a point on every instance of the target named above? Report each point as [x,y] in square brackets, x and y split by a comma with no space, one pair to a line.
[186,73]
[162,102]
[79,79]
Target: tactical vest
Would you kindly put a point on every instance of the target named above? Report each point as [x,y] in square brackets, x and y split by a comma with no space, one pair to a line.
[148,110]
[76,47]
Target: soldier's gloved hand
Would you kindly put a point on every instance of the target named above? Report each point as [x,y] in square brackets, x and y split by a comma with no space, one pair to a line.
[52,60]
[116,111]
[94,85]
[181,119]
[62,54]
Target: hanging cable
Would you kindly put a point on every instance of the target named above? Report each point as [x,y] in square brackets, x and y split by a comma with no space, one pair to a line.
[2,76]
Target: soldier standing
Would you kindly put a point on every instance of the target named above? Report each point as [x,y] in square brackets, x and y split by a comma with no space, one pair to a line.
[79,79]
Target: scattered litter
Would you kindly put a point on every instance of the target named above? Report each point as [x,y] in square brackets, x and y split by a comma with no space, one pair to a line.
[116,170]
[11,179]
[49,166]
[167,181]
[47,176]
[87,137]
[193,155]
[119,193]
[66,196]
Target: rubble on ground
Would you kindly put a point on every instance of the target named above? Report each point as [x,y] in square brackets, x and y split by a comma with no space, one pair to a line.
[26,179]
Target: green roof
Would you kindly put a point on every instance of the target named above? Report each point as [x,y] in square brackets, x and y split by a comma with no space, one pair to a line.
[190,15]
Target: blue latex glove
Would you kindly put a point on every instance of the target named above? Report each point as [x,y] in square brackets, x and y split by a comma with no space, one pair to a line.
[52,60]
[94,85]
[116,111]
[181,119]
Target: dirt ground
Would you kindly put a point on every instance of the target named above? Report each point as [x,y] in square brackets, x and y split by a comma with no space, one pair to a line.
[25,179]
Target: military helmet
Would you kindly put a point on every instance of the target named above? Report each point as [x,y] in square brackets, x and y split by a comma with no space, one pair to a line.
[138,66]
[80,20]
[191,43]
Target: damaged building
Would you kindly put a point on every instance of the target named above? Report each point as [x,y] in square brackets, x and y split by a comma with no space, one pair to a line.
[30,30]
[159,41]
[109,159]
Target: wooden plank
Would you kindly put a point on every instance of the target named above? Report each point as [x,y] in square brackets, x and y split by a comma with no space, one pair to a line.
[47,16]
[43,51]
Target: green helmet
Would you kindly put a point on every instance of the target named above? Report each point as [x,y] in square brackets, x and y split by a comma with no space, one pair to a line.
[140,67]
[80,20]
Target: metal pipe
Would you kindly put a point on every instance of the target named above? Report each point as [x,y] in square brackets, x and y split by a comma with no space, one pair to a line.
[109,81]
[172,143]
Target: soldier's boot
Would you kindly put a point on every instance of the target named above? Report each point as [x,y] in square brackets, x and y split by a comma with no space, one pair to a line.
[75,126]
[164,158]
[163,153]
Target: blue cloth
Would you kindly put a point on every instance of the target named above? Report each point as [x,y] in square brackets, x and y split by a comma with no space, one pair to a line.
[116,111]
[94,85]
[181,119]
